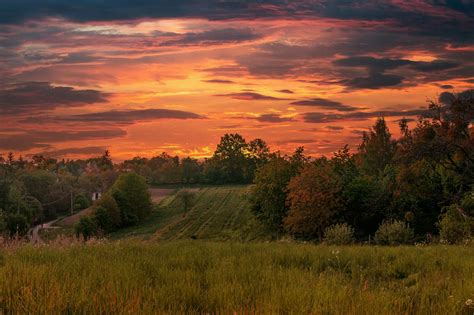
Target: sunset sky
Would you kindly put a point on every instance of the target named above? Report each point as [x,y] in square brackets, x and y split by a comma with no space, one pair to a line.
[143,77]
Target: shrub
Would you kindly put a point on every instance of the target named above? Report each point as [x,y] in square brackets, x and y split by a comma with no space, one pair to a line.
[339,234]
[394,232]
[110,210]
[81,202]
[17,224]
[454,226]
[86,227]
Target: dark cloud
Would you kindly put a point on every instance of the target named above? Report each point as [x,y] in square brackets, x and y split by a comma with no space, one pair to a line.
[286,91]
[41,96]
[446,86]
[326,104]
[315,117]
[376,68]
[375,64]
[374,81]
[335,128]
[213,37]
[219,81]
[133,115]
[250,96]
[273,118]
[42,139]
[108,10]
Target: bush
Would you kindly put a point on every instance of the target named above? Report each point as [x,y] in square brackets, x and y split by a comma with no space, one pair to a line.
[108,217]
[17,224]
[81,202]
[394,232]
[454,226]
[339,234]
[86,227]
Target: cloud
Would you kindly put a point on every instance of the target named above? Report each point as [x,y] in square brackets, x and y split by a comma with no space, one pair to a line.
[374,81]
[42,139]
[132,115]
[376,68]
[42,96]
[335,128]
[273,118]
[315,117]
[219,81]
[250,96]
[326,104]
[213,37]
[286,91]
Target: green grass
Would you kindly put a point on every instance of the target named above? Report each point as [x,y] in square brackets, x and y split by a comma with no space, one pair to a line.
[219,213]
[226,277]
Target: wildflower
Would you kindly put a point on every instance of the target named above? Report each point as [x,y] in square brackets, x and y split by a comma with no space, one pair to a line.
[469,302]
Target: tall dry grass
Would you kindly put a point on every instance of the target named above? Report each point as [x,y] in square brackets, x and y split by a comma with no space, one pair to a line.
[199,277]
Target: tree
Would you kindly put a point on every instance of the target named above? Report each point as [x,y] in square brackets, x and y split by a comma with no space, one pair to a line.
[107,213]
[86,227]
[191,170]
[130,191]
[16,224]
[231,158]
[377,149]
[187,198]
[314,200]
[268,195]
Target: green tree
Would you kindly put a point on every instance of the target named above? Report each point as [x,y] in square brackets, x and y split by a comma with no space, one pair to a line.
[231,158]
[268,195]
[377,149]
[86,227]
[107,213]
[187,198]
[130,191]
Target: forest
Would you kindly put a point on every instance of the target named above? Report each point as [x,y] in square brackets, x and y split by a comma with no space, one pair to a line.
[419,187]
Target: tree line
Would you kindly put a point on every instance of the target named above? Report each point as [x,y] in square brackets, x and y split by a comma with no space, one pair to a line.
[414,187]
[421,183]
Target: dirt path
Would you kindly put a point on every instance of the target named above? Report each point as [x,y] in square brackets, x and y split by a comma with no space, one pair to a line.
[33,234]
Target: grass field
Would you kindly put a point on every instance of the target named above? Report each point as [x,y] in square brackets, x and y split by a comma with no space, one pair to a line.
[218,213]
[225,277]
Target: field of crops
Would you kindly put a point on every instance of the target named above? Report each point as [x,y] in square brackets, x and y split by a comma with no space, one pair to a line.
[227,277]
[217,213]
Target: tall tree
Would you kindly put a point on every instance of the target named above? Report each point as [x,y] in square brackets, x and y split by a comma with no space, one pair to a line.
[377,149]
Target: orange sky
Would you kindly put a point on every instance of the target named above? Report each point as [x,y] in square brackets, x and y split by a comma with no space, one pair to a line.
[72,86]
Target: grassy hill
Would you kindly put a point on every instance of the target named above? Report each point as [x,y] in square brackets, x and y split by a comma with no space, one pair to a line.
[218,213]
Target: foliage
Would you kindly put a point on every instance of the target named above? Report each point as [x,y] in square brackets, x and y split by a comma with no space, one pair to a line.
[86,227]
[82,202]
[455,225]
[130,191]
[339,234]
[16,224]
[269,192]
[314,200]
[108,217]
[394,232]
[187,198]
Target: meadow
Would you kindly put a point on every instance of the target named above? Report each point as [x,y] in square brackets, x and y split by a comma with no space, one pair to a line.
[139,277]
[218,213]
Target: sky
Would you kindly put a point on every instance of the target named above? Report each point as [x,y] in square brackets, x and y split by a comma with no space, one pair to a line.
[143,77]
